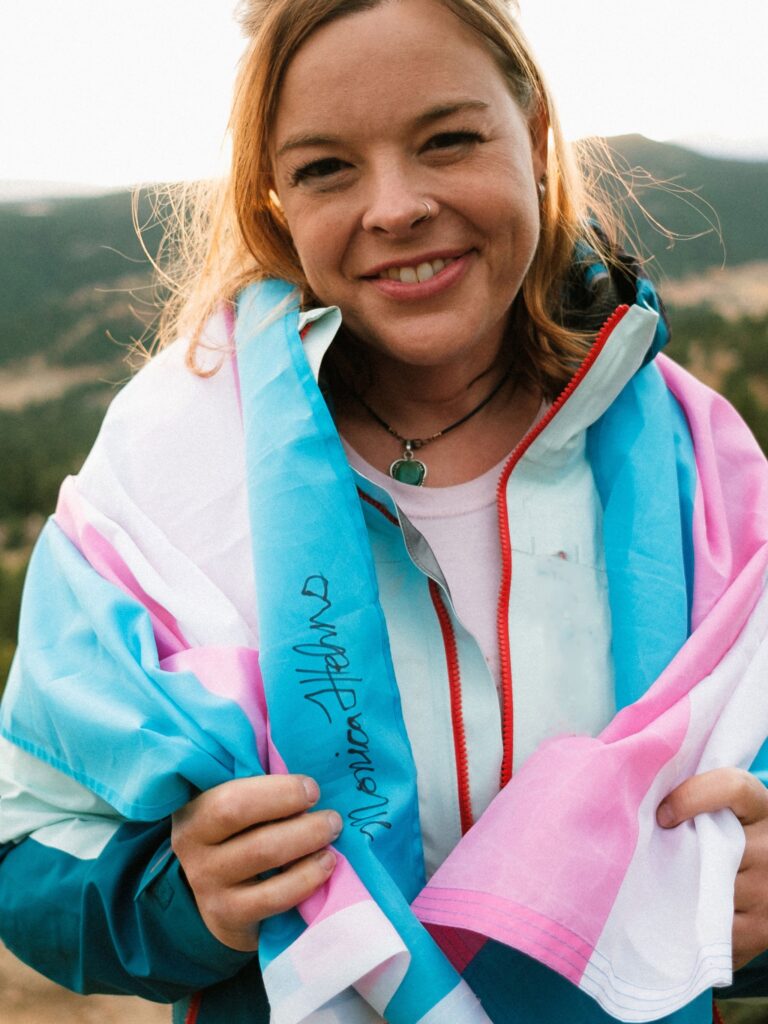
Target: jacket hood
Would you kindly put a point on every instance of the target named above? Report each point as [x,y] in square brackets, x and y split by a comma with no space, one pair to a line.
[593,292]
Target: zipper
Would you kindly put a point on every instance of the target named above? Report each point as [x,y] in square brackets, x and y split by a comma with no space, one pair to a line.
[453,667]
[378,506]
[457,714]
[502,621]
[193,1009]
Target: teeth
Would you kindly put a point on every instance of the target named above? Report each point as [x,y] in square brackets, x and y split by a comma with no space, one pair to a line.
[414,275]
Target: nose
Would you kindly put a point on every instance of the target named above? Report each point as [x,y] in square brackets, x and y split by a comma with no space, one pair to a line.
[395,204]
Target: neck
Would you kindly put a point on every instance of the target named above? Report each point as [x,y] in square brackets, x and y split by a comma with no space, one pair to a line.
[418,402]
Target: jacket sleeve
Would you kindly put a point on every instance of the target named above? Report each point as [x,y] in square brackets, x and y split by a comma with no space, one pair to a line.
[94,902]
[146,563]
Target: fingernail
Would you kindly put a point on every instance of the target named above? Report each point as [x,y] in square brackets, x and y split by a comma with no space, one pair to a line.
[312,790]
[335,824]
[326,859]
[665,816]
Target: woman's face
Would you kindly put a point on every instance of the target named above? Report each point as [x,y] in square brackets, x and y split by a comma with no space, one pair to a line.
[381,112]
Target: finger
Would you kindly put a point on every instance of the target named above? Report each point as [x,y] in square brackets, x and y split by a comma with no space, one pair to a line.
[745,891]
[234,915]
[253,901]
[226,810]
[750,938]
[749,892]
[273,846]
[713,791]
[755,847]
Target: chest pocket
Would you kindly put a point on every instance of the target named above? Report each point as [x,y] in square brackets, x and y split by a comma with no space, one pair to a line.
[558,610]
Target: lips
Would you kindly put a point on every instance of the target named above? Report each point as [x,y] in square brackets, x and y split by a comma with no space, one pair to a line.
[415,271]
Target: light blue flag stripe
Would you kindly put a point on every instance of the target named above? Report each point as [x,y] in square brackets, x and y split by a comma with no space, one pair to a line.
[333,700]
[87,694]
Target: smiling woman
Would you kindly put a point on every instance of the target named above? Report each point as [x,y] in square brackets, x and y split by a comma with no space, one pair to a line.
[468,111]
[311,724]
[441,166]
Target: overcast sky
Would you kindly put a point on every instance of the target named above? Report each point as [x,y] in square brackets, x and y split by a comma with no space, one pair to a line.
[115,92]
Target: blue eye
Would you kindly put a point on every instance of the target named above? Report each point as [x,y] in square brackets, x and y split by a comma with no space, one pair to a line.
[322,168]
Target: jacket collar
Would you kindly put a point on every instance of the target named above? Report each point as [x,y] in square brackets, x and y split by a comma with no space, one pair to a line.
[630,343]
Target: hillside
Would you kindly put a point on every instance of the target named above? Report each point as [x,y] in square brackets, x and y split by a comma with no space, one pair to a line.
[72,269]
[695,195]
[732,292]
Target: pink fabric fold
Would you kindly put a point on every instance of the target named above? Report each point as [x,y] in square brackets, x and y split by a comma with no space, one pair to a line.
[568,858]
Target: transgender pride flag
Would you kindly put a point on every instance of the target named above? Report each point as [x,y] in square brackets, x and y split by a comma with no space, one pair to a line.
[130,658]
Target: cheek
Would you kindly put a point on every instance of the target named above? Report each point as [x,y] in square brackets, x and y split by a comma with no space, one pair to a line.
[312,253]
[514,224]
[318,243]
[506,205]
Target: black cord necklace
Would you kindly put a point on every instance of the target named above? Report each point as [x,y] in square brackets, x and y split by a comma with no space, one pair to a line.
[408,469]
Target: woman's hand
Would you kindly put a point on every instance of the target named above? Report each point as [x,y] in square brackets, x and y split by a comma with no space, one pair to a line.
[747,797]
[227,837]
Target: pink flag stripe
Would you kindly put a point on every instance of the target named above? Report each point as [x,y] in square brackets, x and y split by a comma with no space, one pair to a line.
[71,517]
[507,922]
[232,673]
[731,525]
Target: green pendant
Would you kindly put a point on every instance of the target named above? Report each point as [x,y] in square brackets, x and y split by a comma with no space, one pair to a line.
[408,471]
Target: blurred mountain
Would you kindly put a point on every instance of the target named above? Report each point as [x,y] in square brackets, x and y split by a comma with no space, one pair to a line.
[755,148]
[72,270]
[714,209]
[29,191]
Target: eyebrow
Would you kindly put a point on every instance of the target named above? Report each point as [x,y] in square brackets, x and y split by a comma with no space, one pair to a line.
[437,113]
[446,109]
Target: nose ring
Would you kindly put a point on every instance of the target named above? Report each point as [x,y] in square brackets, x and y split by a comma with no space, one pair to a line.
[428,214]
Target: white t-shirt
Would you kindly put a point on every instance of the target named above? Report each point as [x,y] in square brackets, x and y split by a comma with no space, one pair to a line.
[460,524]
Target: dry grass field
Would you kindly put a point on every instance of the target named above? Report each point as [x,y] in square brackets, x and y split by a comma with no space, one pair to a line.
[732,292]
[27,998]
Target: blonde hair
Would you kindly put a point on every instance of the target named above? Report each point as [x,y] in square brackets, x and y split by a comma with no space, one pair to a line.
[222,236]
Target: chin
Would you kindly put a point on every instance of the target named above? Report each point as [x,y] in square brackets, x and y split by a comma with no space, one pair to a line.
[420,351]
[433,341]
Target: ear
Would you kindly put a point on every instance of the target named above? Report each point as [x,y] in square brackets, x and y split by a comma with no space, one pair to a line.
[538,125]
